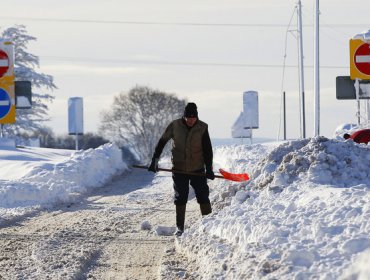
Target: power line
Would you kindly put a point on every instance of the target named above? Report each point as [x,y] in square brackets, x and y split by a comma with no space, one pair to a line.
[144,22]
[178,63]
[273,25]
[283,76]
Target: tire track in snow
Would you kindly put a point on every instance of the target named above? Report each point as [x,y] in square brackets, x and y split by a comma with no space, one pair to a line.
[98,237]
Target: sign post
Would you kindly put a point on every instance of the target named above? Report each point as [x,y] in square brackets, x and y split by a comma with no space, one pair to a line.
[357,89]
[75,117]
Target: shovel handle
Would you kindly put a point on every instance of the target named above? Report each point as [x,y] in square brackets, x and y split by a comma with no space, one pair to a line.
[178,171]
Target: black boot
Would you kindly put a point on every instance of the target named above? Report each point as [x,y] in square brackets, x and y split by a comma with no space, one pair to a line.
[180,219]
[205,208]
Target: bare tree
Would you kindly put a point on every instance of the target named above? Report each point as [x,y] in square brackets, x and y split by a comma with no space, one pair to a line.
[139,118]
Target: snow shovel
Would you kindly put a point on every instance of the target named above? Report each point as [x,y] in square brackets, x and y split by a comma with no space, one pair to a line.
[225,175]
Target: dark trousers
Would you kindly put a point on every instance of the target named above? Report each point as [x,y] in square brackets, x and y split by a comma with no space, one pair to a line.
[181,187]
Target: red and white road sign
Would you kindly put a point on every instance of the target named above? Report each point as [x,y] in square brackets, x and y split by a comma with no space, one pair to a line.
[362,59]
[4,63]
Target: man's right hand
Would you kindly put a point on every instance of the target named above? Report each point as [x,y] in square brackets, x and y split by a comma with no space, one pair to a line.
[154,165]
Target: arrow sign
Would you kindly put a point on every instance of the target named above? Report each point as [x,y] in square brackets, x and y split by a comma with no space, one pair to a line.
[4,63]
[5,103]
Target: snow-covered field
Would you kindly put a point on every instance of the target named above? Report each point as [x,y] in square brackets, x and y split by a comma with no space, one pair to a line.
[303,215]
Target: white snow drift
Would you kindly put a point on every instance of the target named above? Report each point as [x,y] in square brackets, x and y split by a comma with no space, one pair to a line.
[34,177]
[303,215]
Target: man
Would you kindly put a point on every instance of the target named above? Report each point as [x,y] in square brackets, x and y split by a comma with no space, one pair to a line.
[360,136]
[191,152]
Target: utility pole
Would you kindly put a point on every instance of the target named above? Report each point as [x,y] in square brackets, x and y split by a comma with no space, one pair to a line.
[301,70]
[317,72]
[284,110]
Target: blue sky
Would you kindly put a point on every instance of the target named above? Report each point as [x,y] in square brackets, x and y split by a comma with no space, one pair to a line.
[96,49]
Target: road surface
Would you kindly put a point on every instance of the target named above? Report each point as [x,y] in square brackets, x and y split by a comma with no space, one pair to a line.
[100,236]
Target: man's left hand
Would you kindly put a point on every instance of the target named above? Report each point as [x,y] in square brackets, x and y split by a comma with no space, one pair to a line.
[209,173]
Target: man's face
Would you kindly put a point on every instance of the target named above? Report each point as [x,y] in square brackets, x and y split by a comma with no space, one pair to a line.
[190,121]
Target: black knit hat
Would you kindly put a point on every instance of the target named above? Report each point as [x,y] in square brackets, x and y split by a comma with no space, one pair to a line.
[191,110]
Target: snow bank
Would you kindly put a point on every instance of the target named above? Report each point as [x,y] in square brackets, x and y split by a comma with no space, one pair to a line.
[48,182]
[304,214]
[236,159]
[162,230]
[319,160]
[239,158]
[360,269]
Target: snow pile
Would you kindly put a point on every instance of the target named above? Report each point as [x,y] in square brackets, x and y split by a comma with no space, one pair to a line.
[345,128]
[44,181]
[164,230]
[360,269]
[318,160]
[236,159]
[145,225]
[239,158]
[304,214]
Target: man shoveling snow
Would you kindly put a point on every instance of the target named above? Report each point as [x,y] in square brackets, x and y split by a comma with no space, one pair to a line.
[191,152]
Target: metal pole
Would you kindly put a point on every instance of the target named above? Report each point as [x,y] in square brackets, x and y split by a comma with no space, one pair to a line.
[367,111]
[357,88]
[284,114]
[301,71]
[251,129]
[2,131]
[76,141]
[317,73]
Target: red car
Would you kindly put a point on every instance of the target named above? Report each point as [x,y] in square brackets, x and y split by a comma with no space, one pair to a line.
[361,136]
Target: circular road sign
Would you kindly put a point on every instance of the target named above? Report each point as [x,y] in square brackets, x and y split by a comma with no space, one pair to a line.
[5,103]
[362,59]
[4,63]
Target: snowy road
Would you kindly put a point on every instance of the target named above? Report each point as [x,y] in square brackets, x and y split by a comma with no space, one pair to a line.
[99,237]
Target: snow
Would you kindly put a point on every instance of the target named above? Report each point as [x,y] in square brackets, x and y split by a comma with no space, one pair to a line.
[364,35]
[344,128]
[145,225]
[37,177]
[163,230]
[304,214]
[23,102]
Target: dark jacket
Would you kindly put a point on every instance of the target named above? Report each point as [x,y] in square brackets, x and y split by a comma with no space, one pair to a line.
[191,146]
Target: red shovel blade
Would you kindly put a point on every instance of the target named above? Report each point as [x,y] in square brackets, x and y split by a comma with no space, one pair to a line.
[234,177]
